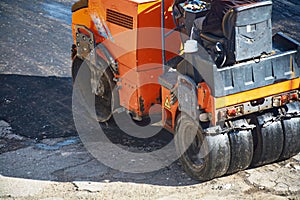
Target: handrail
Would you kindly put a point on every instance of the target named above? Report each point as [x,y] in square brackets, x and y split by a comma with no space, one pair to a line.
[163,34]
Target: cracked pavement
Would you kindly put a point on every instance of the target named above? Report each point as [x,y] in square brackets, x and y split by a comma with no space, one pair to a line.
[41,155]
[45,172]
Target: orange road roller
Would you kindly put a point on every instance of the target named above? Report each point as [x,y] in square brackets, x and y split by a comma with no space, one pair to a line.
[231,98]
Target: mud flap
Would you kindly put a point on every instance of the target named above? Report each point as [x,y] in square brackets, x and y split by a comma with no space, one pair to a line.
[187,97]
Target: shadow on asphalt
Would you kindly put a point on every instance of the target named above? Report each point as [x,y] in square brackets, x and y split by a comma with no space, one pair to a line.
[40,110]
[37,107]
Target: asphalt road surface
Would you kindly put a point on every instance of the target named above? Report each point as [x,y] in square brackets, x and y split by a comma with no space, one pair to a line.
[41,156]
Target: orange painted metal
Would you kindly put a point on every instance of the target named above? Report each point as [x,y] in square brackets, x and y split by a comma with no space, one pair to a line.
[205,99]
[136,45]
[136,48]
[84,17]
[81,17]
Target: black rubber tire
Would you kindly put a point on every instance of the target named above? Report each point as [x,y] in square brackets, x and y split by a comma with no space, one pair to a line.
[105,104]
[291,129]
[268,140]
[241,145]
[207,157]
[76,64]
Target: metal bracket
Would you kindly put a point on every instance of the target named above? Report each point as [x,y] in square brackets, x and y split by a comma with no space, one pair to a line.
[218,130]
[293,112]
[85,43]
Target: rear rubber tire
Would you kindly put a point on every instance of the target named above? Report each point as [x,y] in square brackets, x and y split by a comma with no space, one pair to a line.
[104,104]
[76,64]
[207,157]
[241,145]
[291,128]
[269,140]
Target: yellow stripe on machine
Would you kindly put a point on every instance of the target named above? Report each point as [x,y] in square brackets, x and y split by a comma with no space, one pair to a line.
[258,93]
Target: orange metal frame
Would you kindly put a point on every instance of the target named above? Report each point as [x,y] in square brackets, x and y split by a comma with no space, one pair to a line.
[140,63]
[137,51]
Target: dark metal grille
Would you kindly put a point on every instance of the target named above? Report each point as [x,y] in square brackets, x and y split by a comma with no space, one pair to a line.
[119,19]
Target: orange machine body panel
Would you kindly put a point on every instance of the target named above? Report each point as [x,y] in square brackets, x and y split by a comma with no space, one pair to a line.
[134,39]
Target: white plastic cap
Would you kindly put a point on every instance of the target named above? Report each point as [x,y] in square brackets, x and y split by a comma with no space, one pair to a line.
[190,46]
